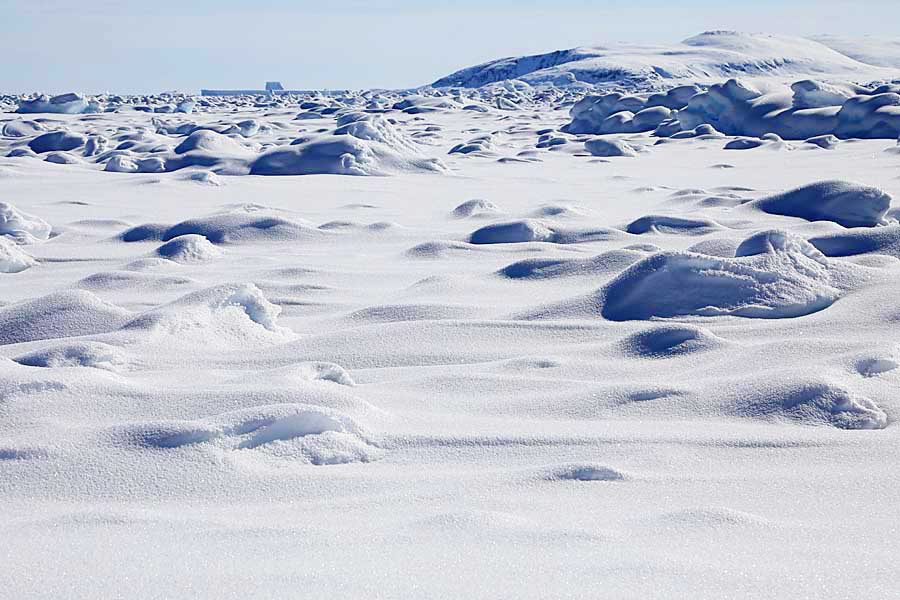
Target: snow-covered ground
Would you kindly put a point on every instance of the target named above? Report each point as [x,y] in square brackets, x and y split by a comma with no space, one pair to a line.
[469,353]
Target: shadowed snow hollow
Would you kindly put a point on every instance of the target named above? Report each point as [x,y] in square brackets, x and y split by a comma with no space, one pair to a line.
[76,354]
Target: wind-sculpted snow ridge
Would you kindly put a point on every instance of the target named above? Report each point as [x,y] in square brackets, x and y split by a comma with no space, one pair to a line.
[808,110]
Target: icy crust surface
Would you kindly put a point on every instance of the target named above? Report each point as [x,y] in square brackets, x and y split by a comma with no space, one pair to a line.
[556,362]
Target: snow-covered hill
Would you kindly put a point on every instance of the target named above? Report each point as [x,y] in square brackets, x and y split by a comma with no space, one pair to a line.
[881,52]
[710,56]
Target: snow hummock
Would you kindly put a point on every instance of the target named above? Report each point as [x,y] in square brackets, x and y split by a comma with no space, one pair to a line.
[774,275]
[189,248]
[68,104]
[21,227]
[845,203]
[363,144]
[12,258]
[230,312]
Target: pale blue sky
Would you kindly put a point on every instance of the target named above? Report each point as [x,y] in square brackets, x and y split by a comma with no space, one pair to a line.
[154,45]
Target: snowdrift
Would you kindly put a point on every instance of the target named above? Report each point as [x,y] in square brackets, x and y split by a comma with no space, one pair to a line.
[773,275]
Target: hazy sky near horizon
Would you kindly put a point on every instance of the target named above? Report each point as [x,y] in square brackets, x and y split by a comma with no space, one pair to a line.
[139,46]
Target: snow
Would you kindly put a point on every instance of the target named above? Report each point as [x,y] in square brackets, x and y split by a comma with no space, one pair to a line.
[847,204]
[67,104]
[784,277]
[604,147]
[702,58]
[22,227]
[12,258]
[530,369]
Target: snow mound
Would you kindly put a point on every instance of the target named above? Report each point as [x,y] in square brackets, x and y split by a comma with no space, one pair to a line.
[66,104]
[13,259]
[816,94]
[873,366]
[56,141]
[744,144]
[298,433]
[482,145]
[204,178]
[609,148]
[621,113]
[363,144]
[663,341]
[211,142]
[613,261]
[528,230]
[76,354]
[61,314]
[307,372]
[238,226]
[439,249]
[189,248]
[790,278]
[738,108]
[672,225]
[810,403]
[228,311]
[535,230]
[475,208]
[250,300]
[20,129]
[847,204]
[880,240]
[145,232]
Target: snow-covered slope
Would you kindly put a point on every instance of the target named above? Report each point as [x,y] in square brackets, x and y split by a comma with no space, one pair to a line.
[877,51]
[709,56]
